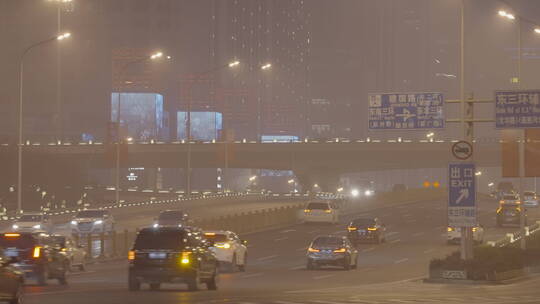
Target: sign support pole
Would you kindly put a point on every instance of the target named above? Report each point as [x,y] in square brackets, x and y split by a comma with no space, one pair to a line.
[467,129]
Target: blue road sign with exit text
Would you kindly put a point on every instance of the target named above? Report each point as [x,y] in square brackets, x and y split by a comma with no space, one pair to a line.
[406,111]
[461,195]
[517,109]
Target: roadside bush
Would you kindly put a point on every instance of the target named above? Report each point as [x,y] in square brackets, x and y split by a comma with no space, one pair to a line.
[487,261]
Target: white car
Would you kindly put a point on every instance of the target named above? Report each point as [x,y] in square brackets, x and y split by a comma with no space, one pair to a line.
[530,199]
[454,235]
[92,221]
[33,222]
[321,212]
[75,254]
[229,249]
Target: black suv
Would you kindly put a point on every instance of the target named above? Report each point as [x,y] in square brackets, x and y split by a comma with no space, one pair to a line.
[34,257]
[172,255]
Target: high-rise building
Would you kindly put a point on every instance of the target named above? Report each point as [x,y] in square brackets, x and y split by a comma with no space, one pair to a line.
[259,33]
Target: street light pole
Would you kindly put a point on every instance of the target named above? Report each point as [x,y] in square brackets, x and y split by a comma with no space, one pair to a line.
[20,125]
[118,109]
[188,121]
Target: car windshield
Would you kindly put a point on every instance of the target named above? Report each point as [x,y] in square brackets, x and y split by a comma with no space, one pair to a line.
[364,222]
[529,194]
[55,240]
[30,218]
[216,237]
[91,214]
[332,242]
[318,206]
[157,239]
[172,215]
[19,241]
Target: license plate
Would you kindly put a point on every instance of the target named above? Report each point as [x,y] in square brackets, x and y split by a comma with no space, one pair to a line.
[157,255]
[361,232]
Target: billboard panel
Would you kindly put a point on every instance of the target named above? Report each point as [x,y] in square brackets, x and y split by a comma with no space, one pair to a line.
[205,126]
[141,114]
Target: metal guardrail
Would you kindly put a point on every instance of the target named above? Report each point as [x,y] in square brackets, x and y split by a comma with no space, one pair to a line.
[511,238]
[267,196]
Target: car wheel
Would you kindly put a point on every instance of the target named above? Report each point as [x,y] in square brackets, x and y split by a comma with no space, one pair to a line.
[62,280]
[17,297]
[133,284]
[154,286]
[310,264]
[212,284]
[355,266]
[233,267]
[43,276]
[193,282]
[81,266]
[242,267]
[347,263]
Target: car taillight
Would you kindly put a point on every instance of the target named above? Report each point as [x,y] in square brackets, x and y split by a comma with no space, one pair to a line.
[131,255]
[223,245]
[341,250]
[185,258]
[37,252]
[313,250]
[372,228]
[328,210]
[450,229]
[352,228]
[307,210]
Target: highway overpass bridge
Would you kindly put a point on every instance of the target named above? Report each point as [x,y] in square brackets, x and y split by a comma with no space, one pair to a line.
[320,161]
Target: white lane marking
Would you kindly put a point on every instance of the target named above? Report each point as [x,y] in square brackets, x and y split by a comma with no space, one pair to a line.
[324,276]
[298,267]
[429,250]
[338,232]
[391,233]
[368,249]
[401,261]
[302,249]
[395,241]
[407,215]
[281,239]
[288,230]
[80,273]
[257,274]
[267,258]
[313,231]
[418,234]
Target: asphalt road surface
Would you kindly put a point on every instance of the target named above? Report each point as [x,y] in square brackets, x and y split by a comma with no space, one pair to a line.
[387,273]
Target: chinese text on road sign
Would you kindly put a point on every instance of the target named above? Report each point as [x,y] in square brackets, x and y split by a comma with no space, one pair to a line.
[517,109]
[461,195]
[406,111]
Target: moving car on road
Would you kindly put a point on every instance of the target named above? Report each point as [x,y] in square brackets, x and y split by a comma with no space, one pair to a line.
[92,221]
[171,255]
[454,235]
[35,257]
[229,249]
[366,230]
[11,280]
[322,212]
[32,222]
[510,215]
[331,250]
[171,218]
[509,198]
[530,199]
[75,254]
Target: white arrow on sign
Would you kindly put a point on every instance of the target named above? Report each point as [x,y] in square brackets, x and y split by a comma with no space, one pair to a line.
[406,115]
[463,194]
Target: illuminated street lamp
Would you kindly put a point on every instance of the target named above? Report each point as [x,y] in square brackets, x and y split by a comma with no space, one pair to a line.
[491,184]
[537,30]
[21,82]
[266,66]
[252,178]
[234,63]
[478,173]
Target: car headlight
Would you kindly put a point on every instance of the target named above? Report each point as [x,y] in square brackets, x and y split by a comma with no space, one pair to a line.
[155,225]
[98,222]
[38,226]
[73,222]
[15,226]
